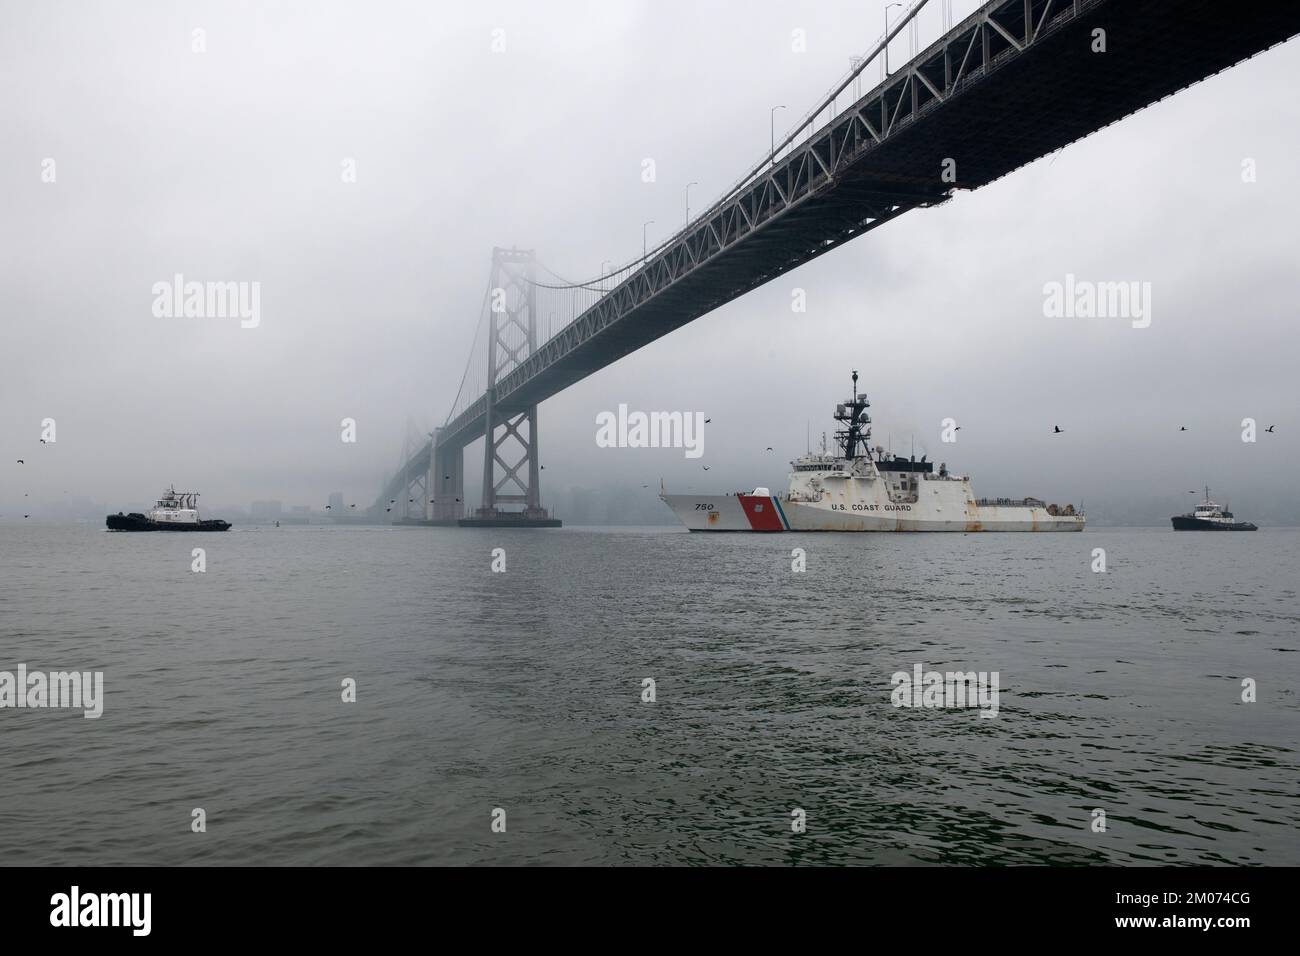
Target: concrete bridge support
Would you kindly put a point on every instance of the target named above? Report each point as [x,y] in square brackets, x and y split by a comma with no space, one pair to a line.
[447,479]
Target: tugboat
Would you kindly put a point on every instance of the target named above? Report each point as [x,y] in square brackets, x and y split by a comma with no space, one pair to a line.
[175,511]
[1210,517]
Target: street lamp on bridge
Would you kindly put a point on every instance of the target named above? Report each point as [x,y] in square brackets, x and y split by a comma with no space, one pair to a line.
[772,125]
[888,7]
[688,200]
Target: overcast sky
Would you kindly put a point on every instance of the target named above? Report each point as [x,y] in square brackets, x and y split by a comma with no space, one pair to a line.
[226,165]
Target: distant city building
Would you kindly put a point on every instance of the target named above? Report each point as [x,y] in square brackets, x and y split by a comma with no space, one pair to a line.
[336,502]
[298,514]
[265,510]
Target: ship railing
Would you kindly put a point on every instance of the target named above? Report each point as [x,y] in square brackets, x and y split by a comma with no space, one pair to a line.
[1010,503]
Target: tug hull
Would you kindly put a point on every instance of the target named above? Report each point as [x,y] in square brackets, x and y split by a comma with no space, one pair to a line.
[1192,523]
[138,522]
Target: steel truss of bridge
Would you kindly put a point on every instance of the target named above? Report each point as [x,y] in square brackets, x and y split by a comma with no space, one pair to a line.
[1015,81]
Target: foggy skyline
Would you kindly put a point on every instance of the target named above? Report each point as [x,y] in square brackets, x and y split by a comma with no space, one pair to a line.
[225,166]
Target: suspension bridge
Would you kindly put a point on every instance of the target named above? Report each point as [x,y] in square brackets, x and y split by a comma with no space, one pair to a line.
[1008,84]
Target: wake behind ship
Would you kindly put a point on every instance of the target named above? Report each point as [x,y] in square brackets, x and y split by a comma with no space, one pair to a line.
[862,489]
[175,511]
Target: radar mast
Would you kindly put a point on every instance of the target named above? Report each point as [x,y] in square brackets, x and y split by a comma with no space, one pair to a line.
[857,424]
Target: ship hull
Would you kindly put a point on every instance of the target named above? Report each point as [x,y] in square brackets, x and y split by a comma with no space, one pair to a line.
[728,512]
[768,514]
[1189,523]
[138,522]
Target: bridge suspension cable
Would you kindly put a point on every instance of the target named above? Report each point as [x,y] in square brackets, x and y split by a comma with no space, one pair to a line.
[458,406]
[826,104]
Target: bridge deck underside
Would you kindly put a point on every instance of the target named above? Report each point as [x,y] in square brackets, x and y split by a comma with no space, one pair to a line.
[1019,106]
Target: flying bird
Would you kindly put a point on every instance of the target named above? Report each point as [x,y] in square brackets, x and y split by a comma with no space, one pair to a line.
[351,506]
[410,501]
[707,420]
[957,429]
[42,441]
[1182,428]
[1056,429]
[769,447]
[20,461]
[706,467]
[1270,428]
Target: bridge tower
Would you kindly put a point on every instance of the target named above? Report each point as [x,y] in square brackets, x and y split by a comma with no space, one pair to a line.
[447,479]
[512,338]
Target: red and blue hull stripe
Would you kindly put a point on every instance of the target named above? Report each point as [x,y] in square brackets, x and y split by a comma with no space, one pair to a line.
[764,513]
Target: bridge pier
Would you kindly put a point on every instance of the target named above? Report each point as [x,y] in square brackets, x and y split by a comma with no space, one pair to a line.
[447,479]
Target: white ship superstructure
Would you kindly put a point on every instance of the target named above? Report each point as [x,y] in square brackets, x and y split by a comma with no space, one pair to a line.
[175,508]
[863,489]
